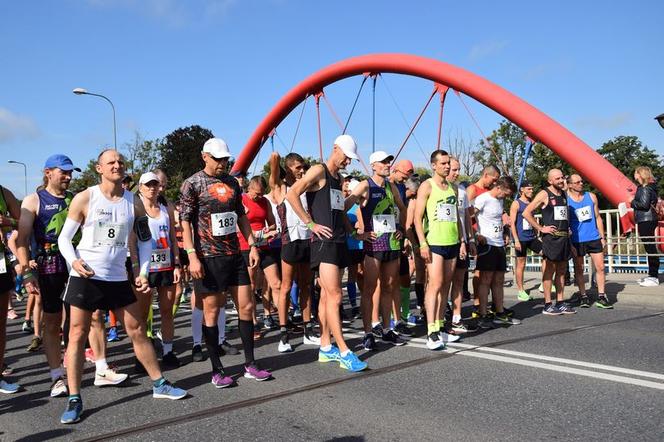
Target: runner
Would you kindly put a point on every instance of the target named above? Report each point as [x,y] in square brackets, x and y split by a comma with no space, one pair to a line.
[295,248]
[98,278]
[556,246]
[355,254]
[9,215]
[164,268]
[491,258]
[587,239]
[329,254]
[524,236]
[212,211]
[384,215]
[418,265]
[441,245]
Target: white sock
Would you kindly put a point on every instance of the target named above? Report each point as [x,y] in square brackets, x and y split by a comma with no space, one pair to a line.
[167,347]
[326,347]
[101,365]
[456,318]
[56,373]
[221,323]
[345,353]
[197,326]
[373,324]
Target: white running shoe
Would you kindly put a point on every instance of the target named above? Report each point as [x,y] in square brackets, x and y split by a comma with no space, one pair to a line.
[434,342]
[649,282]
[446,337]
[311,340]
[109,377]
[285,347]
[59,388]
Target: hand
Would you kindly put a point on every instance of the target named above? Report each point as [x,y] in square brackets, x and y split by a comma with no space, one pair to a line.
[195,267]
[31,284]
[33,264]
[254,257]
[83,269]
[408,249]
[548,229]
[603,243]
[462,251]
[321,231]
[517,245]
[177,275]
[142,285]
[472,249]
[481,240]
[508,240]
[575,254]
[425,253]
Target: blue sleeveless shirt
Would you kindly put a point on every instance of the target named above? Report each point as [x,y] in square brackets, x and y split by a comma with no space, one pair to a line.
[527,234]
[380,201]
[582,219]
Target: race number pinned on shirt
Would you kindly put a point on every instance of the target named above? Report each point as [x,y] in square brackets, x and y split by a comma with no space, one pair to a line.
[336,199]
[3,265]
[525,225]
[384,224]
[560,213]
[224,223]
[446,212]
[495,230]
[160,259]
[583,213]
[109,234]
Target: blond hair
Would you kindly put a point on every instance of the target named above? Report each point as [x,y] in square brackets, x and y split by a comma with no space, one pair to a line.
[645,173]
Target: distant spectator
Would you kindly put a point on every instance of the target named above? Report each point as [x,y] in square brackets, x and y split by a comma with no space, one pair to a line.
[643,203]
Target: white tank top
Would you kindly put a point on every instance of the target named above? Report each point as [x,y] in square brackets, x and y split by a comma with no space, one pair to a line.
[160,227]
[105,235]
[277,220]
[296,228]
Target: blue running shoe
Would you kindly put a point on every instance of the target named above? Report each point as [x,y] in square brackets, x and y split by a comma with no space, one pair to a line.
[112,335]
[351,362]
[329,356]
[8,387]
[73,412]
[168,391]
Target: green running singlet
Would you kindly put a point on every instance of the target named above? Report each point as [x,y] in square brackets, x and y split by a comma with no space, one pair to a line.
[441,212]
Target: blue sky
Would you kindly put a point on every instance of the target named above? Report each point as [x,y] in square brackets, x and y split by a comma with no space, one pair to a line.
[223,64]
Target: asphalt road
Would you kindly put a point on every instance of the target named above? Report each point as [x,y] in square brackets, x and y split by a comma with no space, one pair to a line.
[596,375]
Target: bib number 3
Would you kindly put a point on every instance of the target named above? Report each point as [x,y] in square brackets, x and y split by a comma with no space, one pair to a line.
[446,212]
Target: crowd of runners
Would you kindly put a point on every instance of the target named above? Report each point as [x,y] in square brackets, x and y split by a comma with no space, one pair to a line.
[103,255]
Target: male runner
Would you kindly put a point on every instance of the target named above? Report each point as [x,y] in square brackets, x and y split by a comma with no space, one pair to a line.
[98,277]
[329,255]
[441,245]
[524,236]
[587,239]
[212,211]
[556,246]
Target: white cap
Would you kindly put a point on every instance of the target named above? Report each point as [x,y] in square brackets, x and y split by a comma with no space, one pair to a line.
[217,148]
[379,156]
[352,184]
[347,145]
[147,177]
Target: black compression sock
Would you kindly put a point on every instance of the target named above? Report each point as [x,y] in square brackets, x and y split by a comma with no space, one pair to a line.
[419,293]
[211,336]
[247,335]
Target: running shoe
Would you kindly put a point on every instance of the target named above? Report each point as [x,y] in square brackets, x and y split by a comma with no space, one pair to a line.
[603,302]
[377,330]
[197,353]
[35,344]
[257,333]
[252,371]
[221,380]
[351,362]
[584,301]
[507,311]
[227,349]
[551,310]
[268,323]
[27,326]
[390,337]
[89,355]
[448,337]
[310,337]
[8,387]
[6,370]
[59,388]
[329,356]
[110,376]
[168,391]
[355,311]
[157,335]
[403,330]
[73,411]
[565,308]
[369,342]
[485,323]
[505,319]
[19,296]
[415,320]
[11,314]
[459,327]
[434,342]
[284,345]
[649,282]
[523,296]
[112,335]
[170,360]
[475,314]
[541,288]
[297,316]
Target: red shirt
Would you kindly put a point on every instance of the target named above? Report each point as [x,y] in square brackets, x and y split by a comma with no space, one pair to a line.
[256,212]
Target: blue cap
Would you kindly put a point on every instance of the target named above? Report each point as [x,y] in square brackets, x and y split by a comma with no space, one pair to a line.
[61,162]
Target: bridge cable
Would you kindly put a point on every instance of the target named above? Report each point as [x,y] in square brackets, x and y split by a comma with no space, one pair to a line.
[419,117]
[352,109]
[528,148]
[373,116]
[299,120]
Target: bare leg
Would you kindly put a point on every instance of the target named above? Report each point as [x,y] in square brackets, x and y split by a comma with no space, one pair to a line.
[136,327]
[330,280]
[79,326]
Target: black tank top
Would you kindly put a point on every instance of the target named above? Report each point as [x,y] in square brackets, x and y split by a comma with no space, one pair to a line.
[326,206]
[555,213]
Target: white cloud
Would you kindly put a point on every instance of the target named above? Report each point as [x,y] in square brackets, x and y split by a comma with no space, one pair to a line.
[14,126]
[486,49]
[608,122]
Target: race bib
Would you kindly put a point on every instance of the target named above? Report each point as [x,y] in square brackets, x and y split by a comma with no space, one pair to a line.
[108,234]
[336,199]
[560,213]
[224,223]
[160,259]
[384,224]
[495,230]
[3,265]
[259,238]
[583,213]
[446,212]
[525,225]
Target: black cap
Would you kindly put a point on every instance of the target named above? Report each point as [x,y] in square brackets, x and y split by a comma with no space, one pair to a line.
[525,183]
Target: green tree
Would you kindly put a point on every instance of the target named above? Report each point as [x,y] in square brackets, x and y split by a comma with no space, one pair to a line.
[180,155]
[142,155]
[504,148]
[87,178]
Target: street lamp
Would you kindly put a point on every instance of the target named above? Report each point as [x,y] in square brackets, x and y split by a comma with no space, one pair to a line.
[25,174]
[81,91]
[660,120]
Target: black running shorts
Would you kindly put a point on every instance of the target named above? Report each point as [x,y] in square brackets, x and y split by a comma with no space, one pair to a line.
[492,259]
[404,266]
[51,288]
[386,256]
[93,294]
[267,258]
[588,247]
[161,279]
[330,253]
[296,252]
[556,248]
[221,272]
[534,244]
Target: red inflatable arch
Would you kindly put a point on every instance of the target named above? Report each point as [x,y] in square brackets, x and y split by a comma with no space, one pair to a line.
[610,181]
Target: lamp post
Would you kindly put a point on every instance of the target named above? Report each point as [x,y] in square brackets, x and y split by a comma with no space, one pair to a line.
[660,120]
[25,175]
[81,91]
